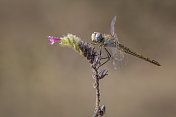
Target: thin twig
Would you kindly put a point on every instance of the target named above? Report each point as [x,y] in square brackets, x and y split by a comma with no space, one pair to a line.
[97,88]
[95,60]
[99,110]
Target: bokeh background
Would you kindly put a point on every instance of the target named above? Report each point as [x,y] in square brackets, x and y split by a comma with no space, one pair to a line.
[39,80]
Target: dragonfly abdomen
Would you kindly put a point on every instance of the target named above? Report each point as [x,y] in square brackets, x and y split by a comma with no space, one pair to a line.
[129,51]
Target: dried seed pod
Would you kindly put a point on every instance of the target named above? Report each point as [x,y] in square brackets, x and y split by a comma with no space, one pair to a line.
[94,76]
[88,51]
[102,110]
[96,61]
[102,74]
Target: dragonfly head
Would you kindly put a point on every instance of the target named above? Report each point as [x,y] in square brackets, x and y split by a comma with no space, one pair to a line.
[97,37]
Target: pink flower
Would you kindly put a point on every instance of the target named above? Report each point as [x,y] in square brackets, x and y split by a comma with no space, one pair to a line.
[53,39]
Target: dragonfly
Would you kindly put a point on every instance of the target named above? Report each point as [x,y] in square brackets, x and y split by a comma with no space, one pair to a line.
[118,50]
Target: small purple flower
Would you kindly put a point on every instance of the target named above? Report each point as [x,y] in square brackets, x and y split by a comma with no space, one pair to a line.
[53,39]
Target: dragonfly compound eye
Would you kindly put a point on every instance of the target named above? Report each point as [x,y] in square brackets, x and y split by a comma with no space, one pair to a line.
[97,37]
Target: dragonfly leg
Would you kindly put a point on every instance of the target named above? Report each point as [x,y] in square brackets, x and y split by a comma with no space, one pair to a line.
[100,49]
[107,53]
[108,57]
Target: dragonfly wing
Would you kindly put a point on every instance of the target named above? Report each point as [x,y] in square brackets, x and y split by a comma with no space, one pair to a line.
[112,26]
[119,58]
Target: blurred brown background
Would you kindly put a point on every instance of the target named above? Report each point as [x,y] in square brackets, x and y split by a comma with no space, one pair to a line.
[38,80]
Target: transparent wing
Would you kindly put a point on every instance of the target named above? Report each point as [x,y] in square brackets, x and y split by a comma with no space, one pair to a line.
[119,58]
[112,26]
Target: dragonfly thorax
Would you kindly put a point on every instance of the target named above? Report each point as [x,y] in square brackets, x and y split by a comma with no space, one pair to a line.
[109,41]
[97,37]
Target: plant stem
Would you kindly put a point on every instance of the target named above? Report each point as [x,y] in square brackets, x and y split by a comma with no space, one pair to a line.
[97,107]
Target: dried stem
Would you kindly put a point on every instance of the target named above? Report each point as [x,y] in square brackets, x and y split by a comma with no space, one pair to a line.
[99,110]
[95,59]
[97,88]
